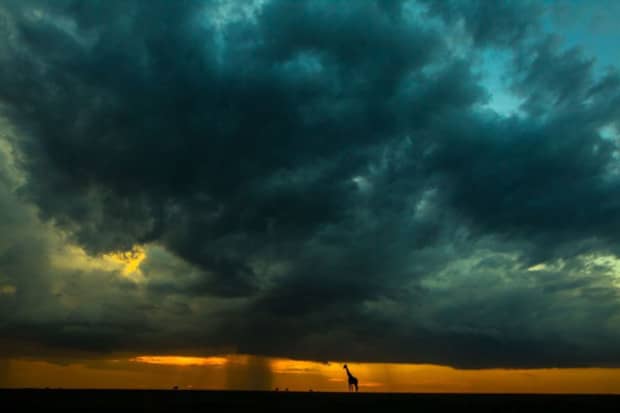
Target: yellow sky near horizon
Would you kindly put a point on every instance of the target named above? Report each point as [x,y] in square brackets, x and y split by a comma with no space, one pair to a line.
[245,372]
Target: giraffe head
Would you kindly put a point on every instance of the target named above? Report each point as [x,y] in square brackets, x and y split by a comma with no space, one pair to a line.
[344,367]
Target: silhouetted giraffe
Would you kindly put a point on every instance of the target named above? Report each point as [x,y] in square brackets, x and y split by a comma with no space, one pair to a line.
[352,379]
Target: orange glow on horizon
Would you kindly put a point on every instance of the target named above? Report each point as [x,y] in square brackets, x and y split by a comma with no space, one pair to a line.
[181,360]
[245,372]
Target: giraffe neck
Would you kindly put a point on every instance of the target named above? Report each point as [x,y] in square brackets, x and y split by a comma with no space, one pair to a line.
[348,372]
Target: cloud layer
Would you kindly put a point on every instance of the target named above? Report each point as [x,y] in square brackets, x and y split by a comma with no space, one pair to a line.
[307,179]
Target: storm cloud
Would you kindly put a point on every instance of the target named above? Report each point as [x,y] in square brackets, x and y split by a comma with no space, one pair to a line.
[308,179]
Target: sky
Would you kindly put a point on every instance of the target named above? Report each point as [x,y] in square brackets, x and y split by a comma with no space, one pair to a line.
[222,194]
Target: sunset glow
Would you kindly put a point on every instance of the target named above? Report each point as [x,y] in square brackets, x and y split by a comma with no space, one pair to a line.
[181,361]
[239,372]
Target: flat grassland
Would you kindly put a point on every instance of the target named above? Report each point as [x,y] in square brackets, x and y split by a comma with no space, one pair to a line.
[42,400]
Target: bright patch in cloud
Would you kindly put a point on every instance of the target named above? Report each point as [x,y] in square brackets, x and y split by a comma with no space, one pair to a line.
[130,260]
[127,263]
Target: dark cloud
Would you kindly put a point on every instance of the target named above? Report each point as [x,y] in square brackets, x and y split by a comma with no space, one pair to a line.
[497,23]
[310,179]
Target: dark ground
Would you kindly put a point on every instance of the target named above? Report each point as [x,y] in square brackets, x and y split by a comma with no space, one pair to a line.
[213,401]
